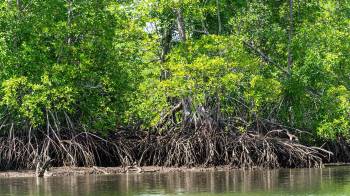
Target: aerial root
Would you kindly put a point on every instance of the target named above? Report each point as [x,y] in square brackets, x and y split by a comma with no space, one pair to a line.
[62,149]
[197,148]
[211,148]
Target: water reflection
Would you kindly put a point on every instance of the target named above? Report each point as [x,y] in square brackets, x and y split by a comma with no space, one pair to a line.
[326,181]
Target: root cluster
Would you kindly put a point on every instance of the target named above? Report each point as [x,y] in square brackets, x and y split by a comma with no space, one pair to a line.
[217,148]
[195,144]
[204,148]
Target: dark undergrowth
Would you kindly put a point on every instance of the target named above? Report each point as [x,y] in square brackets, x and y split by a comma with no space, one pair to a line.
[205,145]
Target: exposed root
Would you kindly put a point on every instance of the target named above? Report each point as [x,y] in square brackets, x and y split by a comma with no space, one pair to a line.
[203,138]
[200,148]
[198,142]
[99,170]
[73,149]
[243,151]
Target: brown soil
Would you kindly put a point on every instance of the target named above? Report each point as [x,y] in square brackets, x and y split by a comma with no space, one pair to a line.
[83,171]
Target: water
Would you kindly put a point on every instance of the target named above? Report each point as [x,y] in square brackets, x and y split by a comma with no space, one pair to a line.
[326,181]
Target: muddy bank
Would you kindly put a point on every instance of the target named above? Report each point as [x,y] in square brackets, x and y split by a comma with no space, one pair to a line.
[84,171]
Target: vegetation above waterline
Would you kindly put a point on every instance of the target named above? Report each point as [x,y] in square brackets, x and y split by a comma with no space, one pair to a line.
[192,82]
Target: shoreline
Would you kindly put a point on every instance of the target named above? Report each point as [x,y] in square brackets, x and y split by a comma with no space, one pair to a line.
[90,171]
[86,171]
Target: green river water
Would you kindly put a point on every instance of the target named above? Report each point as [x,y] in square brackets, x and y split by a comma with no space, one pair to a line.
[326,181]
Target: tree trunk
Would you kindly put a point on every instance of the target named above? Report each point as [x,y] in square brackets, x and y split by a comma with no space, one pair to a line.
[19,5]
[219,17]
[69,19]
[181,25]
[166,40]
[290,37]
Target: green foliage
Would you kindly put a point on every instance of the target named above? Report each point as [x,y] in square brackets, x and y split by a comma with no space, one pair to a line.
[72,56]
[336,109]
[263,91]
[121,63]
[214,66]
[30,101]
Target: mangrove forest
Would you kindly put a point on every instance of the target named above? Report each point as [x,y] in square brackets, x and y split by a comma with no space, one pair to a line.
[174,83]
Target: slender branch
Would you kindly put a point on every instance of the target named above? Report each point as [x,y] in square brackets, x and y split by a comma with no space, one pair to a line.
[264,57]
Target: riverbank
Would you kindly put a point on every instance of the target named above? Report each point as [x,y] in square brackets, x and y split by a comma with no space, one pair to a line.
[85,171]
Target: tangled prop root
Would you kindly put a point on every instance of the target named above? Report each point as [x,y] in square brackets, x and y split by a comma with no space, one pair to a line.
[240,151]
[204,148]
[73,149]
